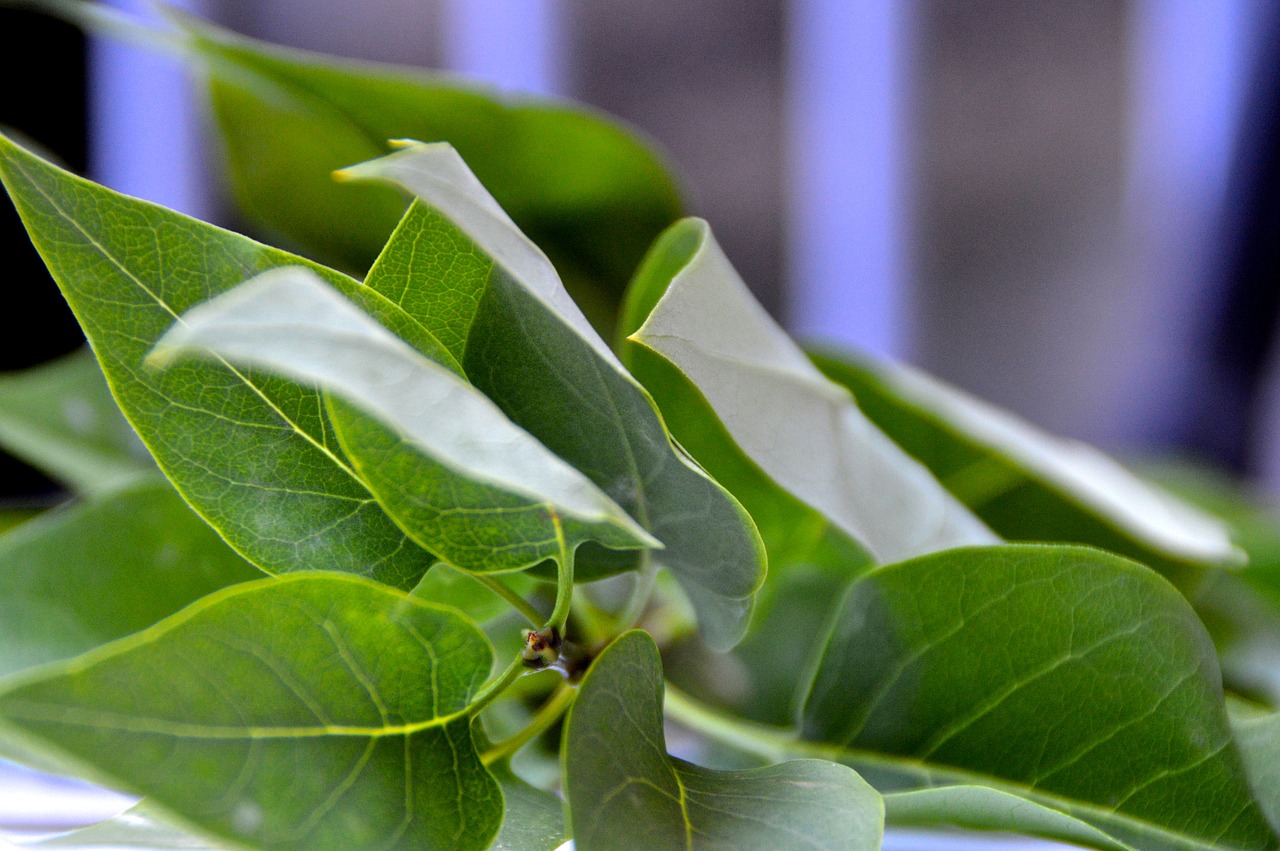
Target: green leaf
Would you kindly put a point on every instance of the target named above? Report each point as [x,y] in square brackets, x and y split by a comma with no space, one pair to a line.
[78,577]
[591,192]
[349,694]
[982,808]
[534,819]
[60,418]
[1071,677]
[625,791]
[284,497]
[447,465]
[1026,484]
[802,430]
[1258,737]
[461,267]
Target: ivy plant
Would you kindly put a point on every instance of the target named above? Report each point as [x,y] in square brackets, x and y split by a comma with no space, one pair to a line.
[377,538]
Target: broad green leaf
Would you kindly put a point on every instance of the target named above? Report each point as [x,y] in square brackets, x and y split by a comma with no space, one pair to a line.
[983,808]
[534,819]
[133,830]
[1258,737]
[802,430]
[1077,679]
[460,266]
[349,695]
[625,791]
[254,455]
[443,460]
[1025,484]
[591,192]
[81,576]
[60,418]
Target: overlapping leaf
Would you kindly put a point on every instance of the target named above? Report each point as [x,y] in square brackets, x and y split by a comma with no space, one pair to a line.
[317,711]
[626,792]
[1076,679]
[82,576]
[254,455]
[460,266]
[447,465]
[61,418]
[588,190]
[1028,485]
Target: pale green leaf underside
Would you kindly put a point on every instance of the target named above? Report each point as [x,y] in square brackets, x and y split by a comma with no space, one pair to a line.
[60,418]
[132,830]
[444,461]
[625,792]
[1082,478]
[801,429]
[1258,737]
[1070,676]
[491,296]
[350,695]
[284,497]
[80,576]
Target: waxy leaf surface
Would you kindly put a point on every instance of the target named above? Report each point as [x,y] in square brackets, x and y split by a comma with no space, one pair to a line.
[317,711]
[444,461]
[61,419]
[459,265]
[626,792]
[802,430]
[1026,484]
[83,575]
[254,455]
[1075,678]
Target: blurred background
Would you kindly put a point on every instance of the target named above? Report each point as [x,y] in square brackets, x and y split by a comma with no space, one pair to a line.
[1070,209]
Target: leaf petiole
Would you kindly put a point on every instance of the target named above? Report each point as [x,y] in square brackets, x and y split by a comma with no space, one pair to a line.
[517,602]
[550,712]
[564,578]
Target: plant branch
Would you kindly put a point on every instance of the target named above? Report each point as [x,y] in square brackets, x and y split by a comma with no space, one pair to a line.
[547,715]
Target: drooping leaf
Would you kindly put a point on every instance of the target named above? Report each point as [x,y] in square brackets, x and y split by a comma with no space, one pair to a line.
[592,193]
[1077,679]
[60,418]
[348,694]
[459,265]
[253,455]
[801,430]
[1025,484]
[444,461]
[79,577]
[983,808]
[626,792]
[534,819]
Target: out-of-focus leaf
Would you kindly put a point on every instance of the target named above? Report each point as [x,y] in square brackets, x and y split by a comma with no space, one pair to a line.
[132,830]
[61,418]
[534,820]
[626,792]
[279,714]
[81,576]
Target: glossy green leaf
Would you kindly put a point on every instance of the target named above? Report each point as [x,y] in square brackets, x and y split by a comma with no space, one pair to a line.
[284,498]
[983,808]
[626,792]
[459,265]
[1077,679]
[588,190]
[534,819]
[60,418]
[317,711]
[81,576]
[802,430]
[1026,484]
[443,460]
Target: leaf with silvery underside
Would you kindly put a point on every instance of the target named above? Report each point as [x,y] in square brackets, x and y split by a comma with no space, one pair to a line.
[591,191]
[1077,679]
[1026,484]
[459,265]
[284,497]
[60,418]
[86,574]
[212,712]
[802,431]
[626,792]
[444,462]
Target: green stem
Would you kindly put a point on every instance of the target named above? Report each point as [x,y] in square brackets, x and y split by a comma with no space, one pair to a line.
[497,686]
[547,715]
[564,578]
[517,602]
[772,743]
